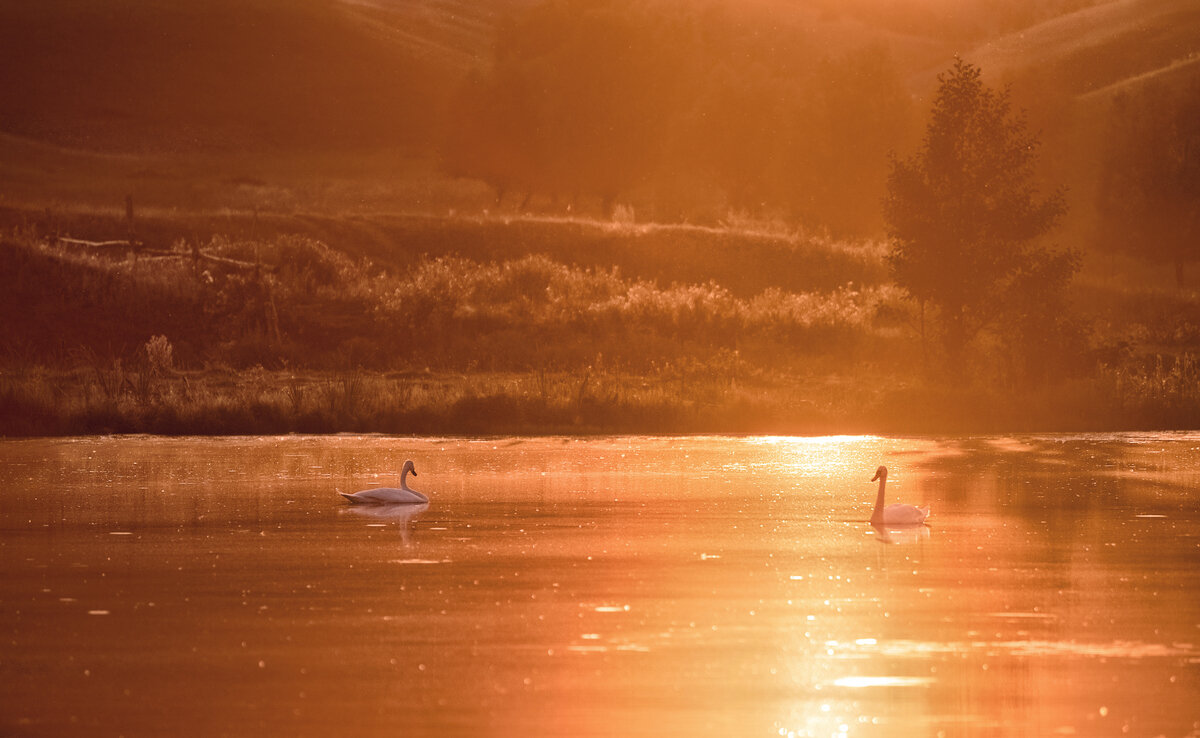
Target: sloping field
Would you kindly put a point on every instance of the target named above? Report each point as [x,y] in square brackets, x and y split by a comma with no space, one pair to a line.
[221,74]
[1102,48]
[185,75]
[445,34]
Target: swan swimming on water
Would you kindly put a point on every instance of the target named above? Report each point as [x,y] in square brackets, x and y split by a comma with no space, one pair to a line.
[896,514]
[390,495]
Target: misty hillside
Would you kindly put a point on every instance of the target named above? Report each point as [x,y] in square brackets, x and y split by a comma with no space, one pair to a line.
[1100,49]
[132,75]
[231,74]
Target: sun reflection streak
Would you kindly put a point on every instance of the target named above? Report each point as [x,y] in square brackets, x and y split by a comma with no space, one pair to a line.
[820,457]
[810,440]
[860,682]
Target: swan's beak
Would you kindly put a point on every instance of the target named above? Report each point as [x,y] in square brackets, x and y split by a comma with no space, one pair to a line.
[875,477]
[414,471]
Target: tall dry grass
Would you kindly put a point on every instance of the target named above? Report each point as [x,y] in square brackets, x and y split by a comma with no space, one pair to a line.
[296,302]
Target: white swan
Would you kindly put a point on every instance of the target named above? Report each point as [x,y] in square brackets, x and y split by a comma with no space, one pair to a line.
[390,495]
[897,514]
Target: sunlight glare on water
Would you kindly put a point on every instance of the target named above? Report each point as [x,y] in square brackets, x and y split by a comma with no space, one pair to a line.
[608,586]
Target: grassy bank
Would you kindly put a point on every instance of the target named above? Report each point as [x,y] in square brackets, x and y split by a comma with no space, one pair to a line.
[292,301]
[540,327]
[589,401]
[745,258]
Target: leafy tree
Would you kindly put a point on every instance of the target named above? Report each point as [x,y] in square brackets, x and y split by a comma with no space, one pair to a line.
[963,214]
[1149,195]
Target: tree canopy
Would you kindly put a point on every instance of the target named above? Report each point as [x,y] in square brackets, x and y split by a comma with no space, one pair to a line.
[964,214]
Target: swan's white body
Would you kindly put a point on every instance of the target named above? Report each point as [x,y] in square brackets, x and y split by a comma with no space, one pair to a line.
[401,495]
[895,514]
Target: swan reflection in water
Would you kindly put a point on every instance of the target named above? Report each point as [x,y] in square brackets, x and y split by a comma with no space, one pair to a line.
[401,515]
[901,534]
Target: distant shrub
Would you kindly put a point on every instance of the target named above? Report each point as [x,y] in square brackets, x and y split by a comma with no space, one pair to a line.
[623,215]
[160,355]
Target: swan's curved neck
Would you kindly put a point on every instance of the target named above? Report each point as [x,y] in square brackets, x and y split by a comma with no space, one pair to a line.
[404,478]
[877,513]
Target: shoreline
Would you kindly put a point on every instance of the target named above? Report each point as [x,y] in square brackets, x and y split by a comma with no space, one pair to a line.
[64,403]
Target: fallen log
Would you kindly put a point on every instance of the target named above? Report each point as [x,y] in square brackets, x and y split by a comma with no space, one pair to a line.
[97,244]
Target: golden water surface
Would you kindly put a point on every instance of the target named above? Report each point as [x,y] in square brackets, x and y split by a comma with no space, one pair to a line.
[600,587]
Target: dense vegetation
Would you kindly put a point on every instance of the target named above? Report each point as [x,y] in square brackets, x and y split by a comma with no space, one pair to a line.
[289,334]
[1149,192]
[291,300]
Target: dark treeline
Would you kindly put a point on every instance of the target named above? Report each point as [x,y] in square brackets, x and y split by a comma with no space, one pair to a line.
[688,109]
[1148,196]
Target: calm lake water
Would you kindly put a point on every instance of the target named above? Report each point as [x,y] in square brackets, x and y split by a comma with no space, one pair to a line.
[600,587]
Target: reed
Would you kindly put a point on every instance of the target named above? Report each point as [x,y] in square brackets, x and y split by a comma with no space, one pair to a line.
[679,398]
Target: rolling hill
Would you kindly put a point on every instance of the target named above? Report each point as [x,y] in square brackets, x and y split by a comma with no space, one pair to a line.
[138,75]
[1096,51]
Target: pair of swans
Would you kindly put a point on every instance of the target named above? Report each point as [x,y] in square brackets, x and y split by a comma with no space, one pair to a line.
[895,514]
[401,495]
